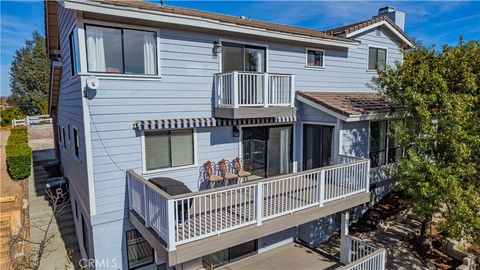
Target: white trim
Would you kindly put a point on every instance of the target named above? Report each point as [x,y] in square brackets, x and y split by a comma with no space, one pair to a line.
[82,49]
[368,57]
[106,75]
[88,151]
[307,66]
[241,42]
[318,123]
[197,22]
[167,169]
[377,24]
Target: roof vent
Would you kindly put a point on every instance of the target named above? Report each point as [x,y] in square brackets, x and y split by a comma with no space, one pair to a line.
[244,18]
[398,17]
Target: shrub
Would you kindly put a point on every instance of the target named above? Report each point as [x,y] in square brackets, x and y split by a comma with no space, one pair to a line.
[19,160]
[17,138]
[20,130]
[9,114]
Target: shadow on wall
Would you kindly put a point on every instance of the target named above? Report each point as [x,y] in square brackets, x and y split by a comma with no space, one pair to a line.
[319,231]
[355,139]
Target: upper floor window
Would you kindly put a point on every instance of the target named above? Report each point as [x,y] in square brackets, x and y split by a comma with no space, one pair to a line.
[239,57]
[377,58]
[315,58]
[74,56]
[123,51]
[165,149]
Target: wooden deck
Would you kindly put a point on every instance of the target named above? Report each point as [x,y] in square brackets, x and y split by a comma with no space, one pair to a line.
[287,257]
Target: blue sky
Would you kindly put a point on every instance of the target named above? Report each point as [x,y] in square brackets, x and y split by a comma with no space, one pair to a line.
[434,22]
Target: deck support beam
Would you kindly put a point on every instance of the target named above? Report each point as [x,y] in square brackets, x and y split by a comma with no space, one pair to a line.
[344,240]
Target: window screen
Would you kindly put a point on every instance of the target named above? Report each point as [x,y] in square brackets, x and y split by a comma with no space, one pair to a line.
[168,149]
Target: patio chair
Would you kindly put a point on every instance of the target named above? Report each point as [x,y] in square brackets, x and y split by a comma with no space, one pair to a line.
[242,174]
[213,179]
[227,175]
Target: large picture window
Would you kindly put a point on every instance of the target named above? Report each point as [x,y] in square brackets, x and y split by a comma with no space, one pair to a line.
[123,51]
[139,252]
[377,58]
[238,57]
[165,149]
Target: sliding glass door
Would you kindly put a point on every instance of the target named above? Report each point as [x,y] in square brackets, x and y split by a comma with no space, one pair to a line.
[239,57]
[317,146]
[267,151]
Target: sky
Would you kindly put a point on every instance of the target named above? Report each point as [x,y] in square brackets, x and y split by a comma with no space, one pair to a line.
[431,22]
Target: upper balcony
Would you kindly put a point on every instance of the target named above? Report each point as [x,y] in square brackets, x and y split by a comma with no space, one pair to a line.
[218,218]
[252,94]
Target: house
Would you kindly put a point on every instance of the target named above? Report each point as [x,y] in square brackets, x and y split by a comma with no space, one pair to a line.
[141,92]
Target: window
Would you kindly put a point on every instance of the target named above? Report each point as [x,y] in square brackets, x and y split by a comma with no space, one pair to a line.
[86,242]
[238,57]
[384,146]
[74,55]
[76,142]
[139,252]
[164,149]
[377,58]
[64,138]
[315,58]
[123,51]
[69,137]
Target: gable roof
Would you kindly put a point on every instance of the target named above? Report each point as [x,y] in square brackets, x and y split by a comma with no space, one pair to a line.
[349,105]
[355,28]
[139,5]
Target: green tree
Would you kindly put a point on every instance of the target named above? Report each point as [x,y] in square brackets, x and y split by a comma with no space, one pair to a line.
[440,90]
[29,73]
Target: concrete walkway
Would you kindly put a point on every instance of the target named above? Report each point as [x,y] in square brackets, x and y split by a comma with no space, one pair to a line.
[64,247]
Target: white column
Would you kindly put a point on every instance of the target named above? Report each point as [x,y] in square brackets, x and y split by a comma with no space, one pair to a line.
[266,90]
[344,240]
[171,220]
[235,89]
[259,204]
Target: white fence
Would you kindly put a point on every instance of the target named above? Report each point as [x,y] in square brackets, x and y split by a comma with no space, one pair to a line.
[189,217]
[363,256]
[32,120]
[243,89]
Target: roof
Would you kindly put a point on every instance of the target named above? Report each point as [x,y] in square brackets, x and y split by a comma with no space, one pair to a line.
[238,20]
[350,28]
[351,104]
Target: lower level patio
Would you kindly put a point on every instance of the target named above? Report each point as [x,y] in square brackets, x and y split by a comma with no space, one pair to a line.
[293,255]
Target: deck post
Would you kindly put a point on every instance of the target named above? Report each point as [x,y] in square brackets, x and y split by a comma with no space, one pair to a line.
[321,188]
[235,89]
[129,187]
[145,206]
[266,91]
[259,204]
[171,225]
[344,239]
[367,180]
[292,91]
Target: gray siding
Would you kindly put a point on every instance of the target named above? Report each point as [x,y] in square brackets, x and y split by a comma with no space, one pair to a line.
[70,112]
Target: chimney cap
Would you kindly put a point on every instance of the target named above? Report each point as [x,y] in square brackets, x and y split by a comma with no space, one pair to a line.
[386,9]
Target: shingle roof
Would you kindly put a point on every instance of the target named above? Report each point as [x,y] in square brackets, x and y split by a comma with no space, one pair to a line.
[139,4]
[343,30]
[351,103]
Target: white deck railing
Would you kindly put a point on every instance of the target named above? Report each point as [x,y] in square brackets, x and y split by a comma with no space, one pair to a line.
[243,89]
[188,217]
[362,256]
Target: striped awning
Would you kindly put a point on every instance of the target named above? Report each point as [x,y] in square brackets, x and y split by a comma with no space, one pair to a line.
[207,122]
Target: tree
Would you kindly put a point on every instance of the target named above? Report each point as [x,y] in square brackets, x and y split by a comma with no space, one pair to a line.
[29,73]
[440,91]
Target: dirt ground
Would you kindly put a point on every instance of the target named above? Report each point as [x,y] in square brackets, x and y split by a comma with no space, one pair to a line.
[9,211]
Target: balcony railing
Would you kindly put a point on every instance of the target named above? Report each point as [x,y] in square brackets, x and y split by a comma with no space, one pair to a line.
[185,218]
[243,89]
[363,256]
